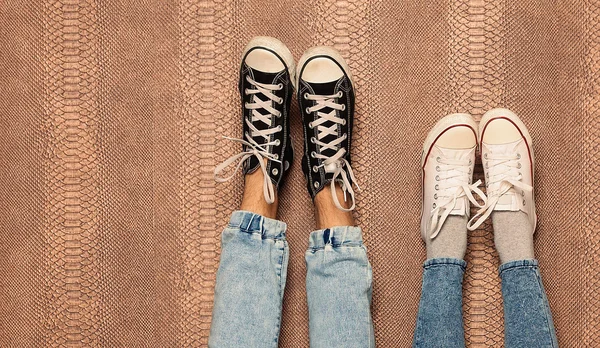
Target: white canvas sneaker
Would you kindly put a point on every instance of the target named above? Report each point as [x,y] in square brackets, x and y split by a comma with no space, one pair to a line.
[507,158]
[448,159]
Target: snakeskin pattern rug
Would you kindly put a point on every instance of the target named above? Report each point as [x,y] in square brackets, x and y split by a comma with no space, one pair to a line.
[111,117]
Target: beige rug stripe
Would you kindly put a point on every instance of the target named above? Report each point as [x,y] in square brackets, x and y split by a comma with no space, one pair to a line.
[73,247]
[591,158]
[129,57]
[22,175]
[476,85]
[165,89]
[202,41]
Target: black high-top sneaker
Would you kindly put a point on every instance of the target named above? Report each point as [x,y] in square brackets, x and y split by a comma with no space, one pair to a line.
[326,99]
[266,88]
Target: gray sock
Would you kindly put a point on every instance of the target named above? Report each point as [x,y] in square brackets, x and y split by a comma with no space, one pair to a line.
[451,241]
[512,235]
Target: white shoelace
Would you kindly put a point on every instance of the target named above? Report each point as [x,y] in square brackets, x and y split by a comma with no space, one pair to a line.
[337,160]
[255,149]
[504,172]
[452,184]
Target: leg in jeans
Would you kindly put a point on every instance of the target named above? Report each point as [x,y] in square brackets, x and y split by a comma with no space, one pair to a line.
[251,276]
[507,157]
[447,163]
[439,321]
[338,280]
[527,318]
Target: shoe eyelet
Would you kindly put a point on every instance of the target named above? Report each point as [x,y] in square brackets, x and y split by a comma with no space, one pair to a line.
[434,205]
[470,171]
[519,165]
[310,125]
[307,110]
[485,155]
[345,136]
[343,107]
[344,122]
[470,162]
[316,184]
[275,171]
[279,128]
[315,169]
[437,168]
[278,115]
[306,96]
[518,156]
[313,154]
[435,196]
[280,101]
[523,202]
[437,178]
[277,142]
[438,158]
[280,86]
[312,140]
[486,165]
[522,193]
[340,94]
[437,187]
[276,156]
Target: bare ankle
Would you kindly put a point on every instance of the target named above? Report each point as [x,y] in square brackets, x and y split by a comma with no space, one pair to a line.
[254,199]
[327,214]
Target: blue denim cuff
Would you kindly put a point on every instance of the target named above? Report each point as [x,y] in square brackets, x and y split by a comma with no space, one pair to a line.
[251,223]
[518,264]
[444,261]
[336,237]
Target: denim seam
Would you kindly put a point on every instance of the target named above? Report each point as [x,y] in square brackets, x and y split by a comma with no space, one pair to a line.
[419,322]
[545,304]
[282,249]
[279,272]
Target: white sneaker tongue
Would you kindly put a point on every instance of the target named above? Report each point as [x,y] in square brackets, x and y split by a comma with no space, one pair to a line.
[460,208]
[508,202]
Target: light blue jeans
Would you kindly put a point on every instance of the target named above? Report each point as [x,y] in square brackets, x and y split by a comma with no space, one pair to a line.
[527,317]
[251,281]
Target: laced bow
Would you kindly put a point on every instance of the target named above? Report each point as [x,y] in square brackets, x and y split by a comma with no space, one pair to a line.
[503,173]
[336,164]
[452,185]
[253,148]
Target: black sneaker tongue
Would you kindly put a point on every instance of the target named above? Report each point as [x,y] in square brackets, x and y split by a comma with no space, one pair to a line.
[327,88]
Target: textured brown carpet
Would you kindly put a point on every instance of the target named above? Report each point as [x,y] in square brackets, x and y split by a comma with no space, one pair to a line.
[111,114]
